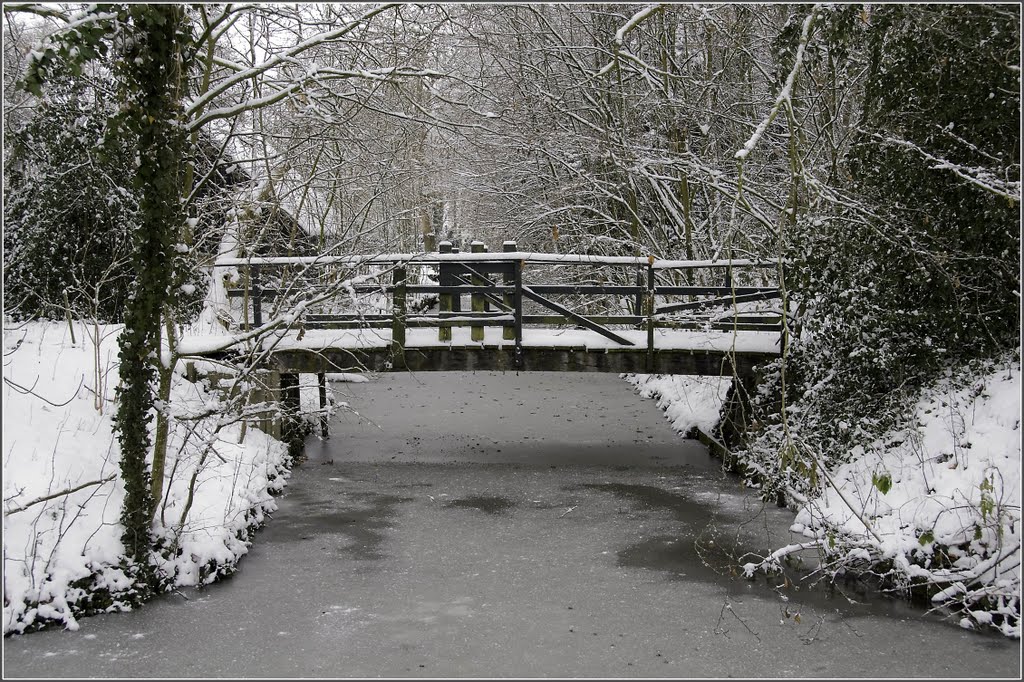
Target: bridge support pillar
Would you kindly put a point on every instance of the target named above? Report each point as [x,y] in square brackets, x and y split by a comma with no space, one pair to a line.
[291,429]
[736,416]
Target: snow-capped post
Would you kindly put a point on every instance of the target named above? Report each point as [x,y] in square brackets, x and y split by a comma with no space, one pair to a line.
[445,300]
[476,331]
[487,301]
[398,312]
[509,332]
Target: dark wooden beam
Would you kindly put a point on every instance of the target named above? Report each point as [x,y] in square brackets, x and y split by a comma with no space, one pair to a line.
[535,359]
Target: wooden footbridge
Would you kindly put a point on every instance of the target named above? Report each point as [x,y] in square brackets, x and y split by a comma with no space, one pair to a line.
[526,312]
[373,313]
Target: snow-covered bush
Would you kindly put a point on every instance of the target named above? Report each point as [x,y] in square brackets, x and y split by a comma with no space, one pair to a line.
[63,555]
[69,208]
[933,507]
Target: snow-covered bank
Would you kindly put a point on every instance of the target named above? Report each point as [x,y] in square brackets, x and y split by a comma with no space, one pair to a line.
[938,502]
[689,401]
[62,490]
[934,505]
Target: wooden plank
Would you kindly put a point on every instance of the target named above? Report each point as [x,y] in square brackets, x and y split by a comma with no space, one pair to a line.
[713,291]
[649,305]
[495,288]
[445,299]
[398,311]
[718,302]
[508,278]
[517,302]
[353,321]
[528,256]
[561,320]
[697,325]
[587,289]
[350,324]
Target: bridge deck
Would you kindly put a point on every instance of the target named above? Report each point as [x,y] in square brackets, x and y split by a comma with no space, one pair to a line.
[674,351]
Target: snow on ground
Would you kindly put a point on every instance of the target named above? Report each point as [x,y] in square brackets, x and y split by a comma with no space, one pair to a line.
[689,401]
[674,339]
[60,552]
[57,441]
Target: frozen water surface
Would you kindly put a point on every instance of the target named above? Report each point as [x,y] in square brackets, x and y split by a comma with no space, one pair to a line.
[495,525]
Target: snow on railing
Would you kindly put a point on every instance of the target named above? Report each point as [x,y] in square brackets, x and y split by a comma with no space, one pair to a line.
[528,256]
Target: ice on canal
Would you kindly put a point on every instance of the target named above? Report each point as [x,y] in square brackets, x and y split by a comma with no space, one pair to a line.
[494,525]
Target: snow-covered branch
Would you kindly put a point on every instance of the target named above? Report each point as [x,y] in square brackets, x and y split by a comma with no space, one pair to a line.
[979,177]
[282,57]
[785,95]
[620,34]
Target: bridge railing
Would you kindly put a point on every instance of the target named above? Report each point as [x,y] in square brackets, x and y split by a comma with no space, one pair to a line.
[501,295]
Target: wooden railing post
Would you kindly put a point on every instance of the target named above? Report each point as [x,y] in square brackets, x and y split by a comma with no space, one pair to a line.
[398,312]
[476,331]
[509,332]
[457,298]
[639,307]
[517,305]
[487,302]
[444,278]
[257,296]
[649,312]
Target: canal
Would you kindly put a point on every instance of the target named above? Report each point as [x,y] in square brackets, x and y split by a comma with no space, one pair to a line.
[495,525]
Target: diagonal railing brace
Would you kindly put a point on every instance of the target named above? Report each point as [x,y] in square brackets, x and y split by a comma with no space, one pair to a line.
[579,319]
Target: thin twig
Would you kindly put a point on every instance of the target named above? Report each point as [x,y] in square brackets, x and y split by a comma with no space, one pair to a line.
[59,494]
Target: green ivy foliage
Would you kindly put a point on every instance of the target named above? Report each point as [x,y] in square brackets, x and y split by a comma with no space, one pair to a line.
[151,85]
[918,268]
[943,81]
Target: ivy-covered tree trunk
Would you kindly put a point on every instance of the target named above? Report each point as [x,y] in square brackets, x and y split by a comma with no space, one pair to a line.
[152,88]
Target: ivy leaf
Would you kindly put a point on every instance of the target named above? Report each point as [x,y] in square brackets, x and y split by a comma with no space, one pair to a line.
[926,538]
[882,481]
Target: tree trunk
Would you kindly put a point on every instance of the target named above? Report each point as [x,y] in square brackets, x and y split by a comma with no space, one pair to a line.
[151,70]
